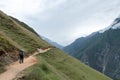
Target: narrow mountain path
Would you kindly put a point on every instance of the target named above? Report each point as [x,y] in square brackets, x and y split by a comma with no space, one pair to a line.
[15,68]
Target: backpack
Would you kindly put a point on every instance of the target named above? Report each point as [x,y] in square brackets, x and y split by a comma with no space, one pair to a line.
[21,53]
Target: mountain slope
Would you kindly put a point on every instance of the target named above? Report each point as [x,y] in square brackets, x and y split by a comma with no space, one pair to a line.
[56,65]
[24,25]
[53,65]
[13,37]
[100,51]
[19,34]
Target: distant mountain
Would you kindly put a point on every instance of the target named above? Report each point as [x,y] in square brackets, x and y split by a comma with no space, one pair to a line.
[52,42]
[100,50]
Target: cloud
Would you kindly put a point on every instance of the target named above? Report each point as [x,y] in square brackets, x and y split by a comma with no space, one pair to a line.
[63,20]
[22,6]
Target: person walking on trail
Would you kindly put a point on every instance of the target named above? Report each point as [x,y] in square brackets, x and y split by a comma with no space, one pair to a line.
[21,56]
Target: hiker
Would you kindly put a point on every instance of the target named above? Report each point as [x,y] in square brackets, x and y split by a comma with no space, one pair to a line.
[21,56]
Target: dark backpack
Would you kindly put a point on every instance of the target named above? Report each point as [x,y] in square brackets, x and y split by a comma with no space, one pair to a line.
[21,53]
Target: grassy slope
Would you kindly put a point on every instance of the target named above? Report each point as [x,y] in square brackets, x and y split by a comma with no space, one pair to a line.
[23,37]
[56,65]
[24,25]
[15,36]
[4,47]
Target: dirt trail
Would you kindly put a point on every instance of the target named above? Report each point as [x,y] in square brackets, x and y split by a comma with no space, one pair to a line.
[15,68]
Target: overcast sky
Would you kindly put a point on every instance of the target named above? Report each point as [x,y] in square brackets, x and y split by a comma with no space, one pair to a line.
[63,21]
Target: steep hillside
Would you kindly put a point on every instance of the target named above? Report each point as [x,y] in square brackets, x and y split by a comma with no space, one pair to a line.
[24,25]
[56,65]
[52,65]
[20,34]
[15,36]
[101,51]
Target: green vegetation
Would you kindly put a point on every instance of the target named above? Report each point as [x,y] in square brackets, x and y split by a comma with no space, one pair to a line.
[5,47]
[56,65]
[24,37]
[24,25]
[15,35]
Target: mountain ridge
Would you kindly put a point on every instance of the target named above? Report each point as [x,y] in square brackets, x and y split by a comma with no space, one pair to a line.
[100,51]
[52,42]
